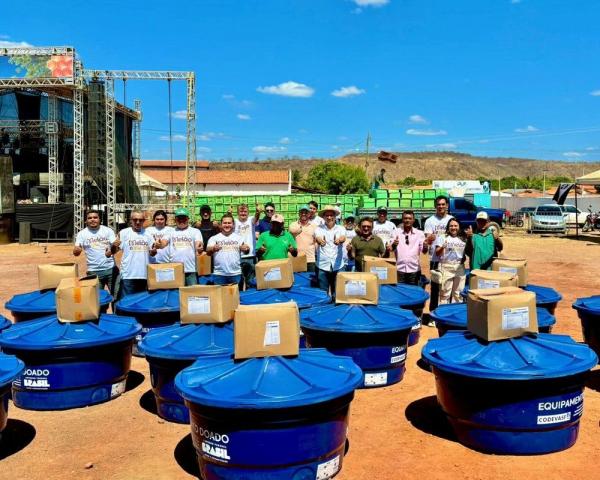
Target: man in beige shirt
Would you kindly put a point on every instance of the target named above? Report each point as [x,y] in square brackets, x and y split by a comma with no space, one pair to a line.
[303,231]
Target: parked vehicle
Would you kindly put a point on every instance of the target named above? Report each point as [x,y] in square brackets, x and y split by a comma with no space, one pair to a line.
[573,215]
[592,221]
[548,218]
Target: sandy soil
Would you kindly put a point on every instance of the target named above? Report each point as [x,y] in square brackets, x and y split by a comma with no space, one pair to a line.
[395,432]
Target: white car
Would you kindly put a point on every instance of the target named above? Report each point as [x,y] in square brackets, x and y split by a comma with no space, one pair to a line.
[573,215]
[548,218]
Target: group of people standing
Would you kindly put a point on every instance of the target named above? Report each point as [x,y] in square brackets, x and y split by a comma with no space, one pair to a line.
[236,243]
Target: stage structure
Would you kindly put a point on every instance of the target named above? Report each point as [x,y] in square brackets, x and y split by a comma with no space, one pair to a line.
[57,73]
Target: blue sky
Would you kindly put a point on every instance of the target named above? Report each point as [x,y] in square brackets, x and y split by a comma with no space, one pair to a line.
[312,77]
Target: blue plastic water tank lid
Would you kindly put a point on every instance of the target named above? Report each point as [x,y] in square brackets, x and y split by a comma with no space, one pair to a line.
[531,357]
[188,342]
[4,322]
[314,376]
[47,333]
[304,296]
[43,301]
[455,314]
[10,368]
[358,318]
[402,295]
[301,279]
[588,304]
[544,295]
[156,301]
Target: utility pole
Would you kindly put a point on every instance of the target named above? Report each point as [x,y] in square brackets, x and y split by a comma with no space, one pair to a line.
[367,150]
[544,184]
[499,191]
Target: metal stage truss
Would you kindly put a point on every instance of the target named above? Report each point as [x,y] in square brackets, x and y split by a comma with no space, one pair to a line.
[74,87]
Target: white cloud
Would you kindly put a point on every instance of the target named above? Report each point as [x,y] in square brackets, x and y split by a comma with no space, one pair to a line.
[371,3]
[203,149]
[180,114]
[264,150]
[527,129]
[243,116]
[350,91]
[573,154]
[288,89]
[208,136]
[595,93]
[418,119]
[285,140]
[426,133]
[228,96]
[10,44]
[443,146]
[176,138]
[591,149]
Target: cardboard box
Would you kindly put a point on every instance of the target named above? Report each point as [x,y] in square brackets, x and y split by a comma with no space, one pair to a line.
[484,279]
[274,274]
[266,330]
[203,264]
[164,276]
[499,313]
[50,274]
[384,268]
[512,265]
[357,287]
[78,300]
[299,263]
[208,304]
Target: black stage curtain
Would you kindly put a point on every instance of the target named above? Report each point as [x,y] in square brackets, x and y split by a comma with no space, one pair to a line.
[56,217]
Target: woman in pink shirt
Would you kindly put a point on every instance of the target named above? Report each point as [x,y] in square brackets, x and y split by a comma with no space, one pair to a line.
[304,232]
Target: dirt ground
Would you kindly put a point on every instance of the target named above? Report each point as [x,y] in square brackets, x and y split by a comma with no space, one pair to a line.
[395,432]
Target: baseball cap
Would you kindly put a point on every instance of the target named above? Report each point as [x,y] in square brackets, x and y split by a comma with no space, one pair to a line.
[304,207]
[482,216]
[182,212]
[204,208]
[382,209]
[277,218]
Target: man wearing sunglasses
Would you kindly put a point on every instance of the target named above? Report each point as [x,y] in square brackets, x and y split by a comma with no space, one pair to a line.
[408,244]
[264,225]
[365,244]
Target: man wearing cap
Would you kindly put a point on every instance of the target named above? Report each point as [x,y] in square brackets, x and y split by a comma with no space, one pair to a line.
[330,240]
[384,229]
[185,243]
[482,246]
[207,227]
[264,225]
[350,234]
[304,233]
[276,243]
[365,244]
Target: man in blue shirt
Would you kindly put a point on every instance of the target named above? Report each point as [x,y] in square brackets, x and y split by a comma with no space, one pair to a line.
[264,225]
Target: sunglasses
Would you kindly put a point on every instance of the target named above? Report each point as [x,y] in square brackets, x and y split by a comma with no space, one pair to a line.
[406,239]
[270,210]
[137,219]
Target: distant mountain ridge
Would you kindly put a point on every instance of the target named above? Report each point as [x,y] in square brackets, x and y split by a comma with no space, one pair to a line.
[430,166]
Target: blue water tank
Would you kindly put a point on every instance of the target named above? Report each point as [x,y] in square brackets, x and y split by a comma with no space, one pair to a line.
[545,297]
[10,368]
[409,297]
[376,337]
[453,316]
[41,303]
[171,349]
[154,309]
[4,323]
[305,297]
[70,365]
[275,418]
[588,310]
[519,396]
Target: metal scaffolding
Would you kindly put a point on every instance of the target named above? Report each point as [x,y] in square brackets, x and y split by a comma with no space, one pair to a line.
[78,152]
[52,135]
[137,141]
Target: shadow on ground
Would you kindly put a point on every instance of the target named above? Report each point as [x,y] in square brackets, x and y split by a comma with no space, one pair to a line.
[185,455]
[593,380]
[15,437]
[134,380]
[148,402]
[426,415]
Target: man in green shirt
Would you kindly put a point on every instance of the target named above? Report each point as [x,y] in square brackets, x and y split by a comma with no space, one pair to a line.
[365,244]
[276,243]
[482,247]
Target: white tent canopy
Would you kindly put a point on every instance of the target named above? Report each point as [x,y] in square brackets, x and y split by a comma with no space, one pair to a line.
[589,179]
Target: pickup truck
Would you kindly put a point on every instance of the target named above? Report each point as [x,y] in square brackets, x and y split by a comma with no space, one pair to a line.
[460,208]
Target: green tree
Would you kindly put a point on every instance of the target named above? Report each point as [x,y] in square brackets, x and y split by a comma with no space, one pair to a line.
[409,181]
[296,177]
[337,178]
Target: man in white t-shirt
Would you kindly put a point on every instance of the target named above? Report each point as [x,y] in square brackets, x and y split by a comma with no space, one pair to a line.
[245,227]
[96,241]
[137,247]
[184,244]
[161,233]
[383,228]
[330,239]
[226,249]
[350,227]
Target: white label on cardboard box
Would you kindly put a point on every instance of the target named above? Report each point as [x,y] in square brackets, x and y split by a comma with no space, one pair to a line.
[273,275]
[355,288]
[328,469]
[165,275]
[517,317]
[513,270]
[372,379]
[272,333]
[381,272]
[198,305]
[481,283]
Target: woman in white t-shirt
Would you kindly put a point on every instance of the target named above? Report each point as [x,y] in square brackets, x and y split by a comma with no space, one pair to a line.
[450,248]
[226,249]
